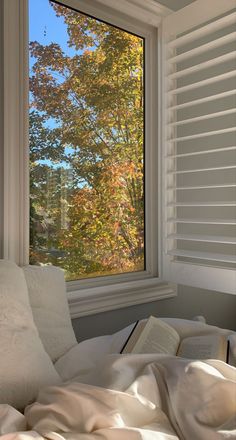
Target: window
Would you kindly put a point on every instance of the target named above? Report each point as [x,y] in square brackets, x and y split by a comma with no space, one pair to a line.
[86,139]
[138,280]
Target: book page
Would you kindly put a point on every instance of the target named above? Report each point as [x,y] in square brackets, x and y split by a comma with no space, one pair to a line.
[157,337]
[204,347]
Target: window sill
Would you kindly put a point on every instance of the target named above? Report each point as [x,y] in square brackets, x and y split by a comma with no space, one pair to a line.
[104,298]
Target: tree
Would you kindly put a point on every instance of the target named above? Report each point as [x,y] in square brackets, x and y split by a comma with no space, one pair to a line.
[95,98]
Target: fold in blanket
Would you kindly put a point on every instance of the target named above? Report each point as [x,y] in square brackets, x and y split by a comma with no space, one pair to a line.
[138,397]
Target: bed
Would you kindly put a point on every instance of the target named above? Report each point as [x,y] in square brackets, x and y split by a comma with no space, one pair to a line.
[51,387]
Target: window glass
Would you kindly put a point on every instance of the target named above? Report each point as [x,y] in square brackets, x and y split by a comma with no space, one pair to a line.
[86,138]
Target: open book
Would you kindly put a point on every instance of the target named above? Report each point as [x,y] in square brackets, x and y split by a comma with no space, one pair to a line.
[156,336]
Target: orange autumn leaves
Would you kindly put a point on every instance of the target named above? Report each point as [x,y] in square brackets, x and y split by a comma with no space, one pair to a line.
[105,224]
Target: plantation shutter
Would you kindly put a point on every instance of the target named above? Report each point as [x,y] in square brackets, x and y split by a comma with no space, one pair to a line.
[199,145]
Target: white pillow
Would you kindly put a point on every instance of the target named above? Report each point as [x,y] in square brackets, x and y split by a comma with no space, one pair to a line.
[48,300]
[25,367]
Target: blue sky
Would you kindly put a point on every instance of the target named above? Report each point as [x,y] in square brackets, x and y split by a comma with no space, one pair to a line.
[45,27]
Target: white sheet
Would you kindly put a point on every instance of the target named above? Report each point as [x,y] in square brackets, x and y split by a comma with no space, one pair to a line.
[131,397]
[87,355]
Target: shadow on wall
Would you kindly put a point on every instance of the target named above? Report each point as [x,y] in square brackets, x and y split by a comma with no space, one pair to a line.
[219,309]
[175,5]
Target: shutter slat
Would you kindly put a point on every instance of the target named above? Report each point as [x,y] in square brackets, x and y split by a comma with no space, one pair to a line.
[199,170]
[203,255]
[197,153]
[204,117]
[203,238]
[229,38]
[203,221]
[203,100]
[190,204]
[201,66]
[223,185]
[204,82]
[203,134]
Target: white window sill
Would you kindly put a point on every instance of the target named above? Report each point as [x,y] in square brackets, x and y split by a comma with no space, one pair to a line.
[103,298]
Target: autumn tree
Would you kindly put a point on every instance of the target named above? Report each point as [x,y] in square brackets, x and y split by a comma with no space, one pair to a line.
[95,98]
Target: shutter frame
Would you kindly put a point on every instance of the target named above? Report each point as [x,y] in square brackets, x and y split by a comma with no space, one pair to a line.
[214,272]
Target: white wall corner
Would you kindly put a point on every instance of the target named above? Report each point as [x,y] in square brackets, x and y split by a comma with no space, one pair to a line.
[153,6]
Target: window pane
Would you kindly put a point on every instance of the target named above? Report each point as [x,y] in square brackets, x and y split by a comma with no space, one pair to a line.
[86,143]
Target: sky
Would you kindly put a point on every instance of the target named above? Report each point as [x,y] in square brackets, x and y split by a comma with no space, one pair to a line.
[45,27]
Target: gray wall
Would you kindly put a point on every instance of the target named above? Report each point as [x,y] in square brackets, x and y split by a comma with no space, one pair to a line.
[218,308]
[1,124]
[175,5]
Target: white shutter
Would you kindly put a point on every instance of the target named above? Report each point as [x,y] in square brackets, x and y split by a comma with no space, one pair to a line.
[199,145]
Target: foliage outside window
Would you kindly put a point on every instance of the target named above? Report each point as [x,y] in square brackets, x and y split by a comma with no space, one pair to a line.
[86,143]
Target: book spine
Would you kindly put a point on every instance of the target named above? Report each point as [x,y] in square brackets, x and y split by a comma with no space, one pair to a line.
[127,340]
[228,349]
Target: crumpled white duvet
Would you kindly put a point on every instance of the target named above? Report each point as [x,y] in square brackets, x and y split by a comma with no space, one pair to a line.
[133,397]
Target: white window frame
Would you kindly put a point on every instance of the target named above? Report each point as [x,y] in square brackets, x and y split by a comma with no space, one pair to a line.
[105,293]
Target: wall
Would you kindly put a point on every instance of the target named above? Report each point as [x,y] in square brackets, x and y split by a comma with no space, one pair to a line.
[1,125]
[219,309]
[175,5]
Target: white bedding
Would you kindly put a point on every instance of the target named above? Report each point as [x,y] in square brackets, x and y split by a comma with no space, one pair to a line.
[109,396]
